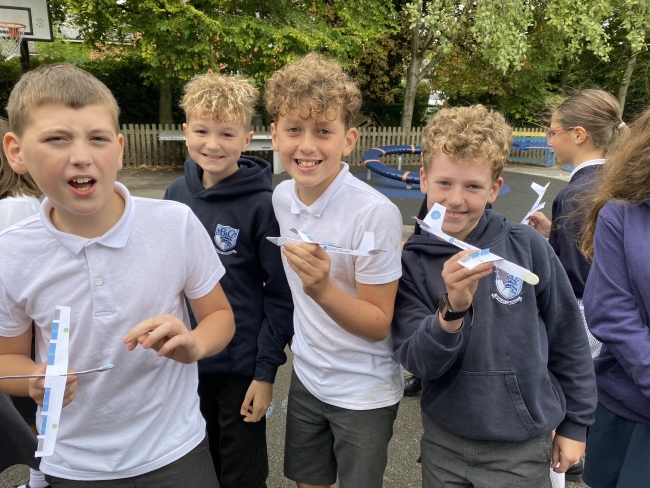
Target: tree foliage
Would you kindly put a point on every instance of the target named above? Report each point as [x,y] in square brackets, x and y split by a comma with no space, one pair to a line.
[178,38]
[498,32]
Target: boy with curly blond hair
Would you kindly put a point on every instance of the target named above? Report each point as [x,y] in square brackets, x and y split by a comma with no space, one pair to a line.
[503,363]
[231,196]
[346,386]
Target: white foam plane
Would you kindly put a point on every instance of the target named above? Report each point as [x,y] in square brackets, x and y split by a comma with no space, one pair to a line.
[432,224]
[366,248]
[540,190]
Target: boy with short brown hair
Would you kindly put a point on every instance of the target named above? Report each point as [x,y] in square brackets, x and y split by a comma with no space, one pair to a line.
[503,363]
[346,386]
[231,196]
[125,266]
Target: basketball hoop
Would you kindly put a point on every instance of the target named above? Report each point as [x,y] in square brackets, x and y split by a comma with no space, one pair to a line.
[11,34]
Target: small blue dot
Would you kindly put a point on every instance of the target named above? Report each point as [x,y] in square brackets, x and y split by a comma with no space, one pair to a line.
[324,248]
[451,239]
[435,215]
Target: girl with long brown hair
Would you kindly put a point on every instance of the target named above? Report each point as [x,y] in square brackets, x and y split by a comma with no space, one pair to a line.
[617,308]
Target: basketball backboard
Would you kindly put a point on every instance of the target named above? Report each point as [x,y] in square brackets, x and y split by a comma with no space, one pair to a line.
[33,14]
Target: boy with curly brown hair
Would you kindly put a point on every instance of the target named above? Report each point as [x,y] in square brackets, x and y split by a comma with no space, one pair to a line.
[231,196]
[503,363]
[346,386]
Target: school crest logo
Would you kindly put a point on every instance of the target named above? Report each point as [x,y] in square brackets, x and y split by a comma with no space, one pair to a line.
[508,288]
[225,237]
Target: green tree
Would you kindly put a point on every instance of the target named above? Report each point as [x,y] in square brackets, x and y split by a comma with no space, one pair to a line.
[178,38]
[498,31]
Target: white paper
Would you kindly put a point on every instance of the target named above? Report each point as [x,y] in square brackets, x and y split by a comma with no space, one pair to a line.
[55,380]
[432,223]
[366,248]
[540,190]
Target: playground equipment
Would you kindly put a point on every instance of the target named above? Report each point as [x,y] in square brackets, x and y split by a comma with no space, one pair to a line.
[371,161]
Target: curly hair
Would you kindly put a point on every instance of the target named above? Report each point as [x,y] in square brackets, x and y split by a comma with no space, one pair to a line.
[467,134]
[58,83]
[222,98]
[12,184]
[316,83]
[626,176]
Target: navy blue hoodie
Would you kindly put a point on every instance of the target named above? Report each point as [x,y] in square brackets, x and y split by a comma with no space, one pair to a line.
[238,214]
[522,367]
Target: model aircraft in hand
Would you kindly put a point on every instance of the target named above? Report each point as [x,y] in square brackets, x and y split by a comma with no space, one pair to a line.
[366,248]
[432,224]
[540,190]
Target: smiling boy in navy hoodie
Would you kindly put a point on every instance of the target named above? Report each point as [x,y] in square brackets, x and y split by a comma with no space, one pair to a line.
[503,363]
[231,196]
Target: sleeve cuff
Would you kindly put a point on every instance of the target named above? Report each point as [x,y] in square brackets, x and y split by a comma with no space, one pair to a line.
[440,335]
[573,431]
[265,371]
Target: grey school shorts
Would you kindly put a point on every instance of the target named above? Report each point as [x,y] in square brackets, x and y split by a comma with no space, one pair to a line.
[452,461]
[194,470]
[323,440]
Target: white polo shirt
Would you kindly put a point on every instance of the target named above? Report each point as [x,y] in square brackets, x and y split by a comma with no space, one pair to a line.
[337,367]
[144,414]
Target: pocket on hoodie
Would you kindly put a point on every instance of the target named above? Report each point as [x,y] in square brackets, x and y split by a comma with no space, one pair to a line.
[484,405]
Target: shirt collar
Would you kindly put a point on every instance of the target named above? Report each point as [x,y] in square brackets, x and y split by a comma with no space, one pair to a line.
[592,162]
[317,208]
[115,237]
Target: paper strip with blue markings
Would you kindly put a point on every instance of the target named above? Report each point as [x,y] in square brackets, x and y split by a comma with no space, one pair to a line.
[55,380]
[366,247]
[432,224]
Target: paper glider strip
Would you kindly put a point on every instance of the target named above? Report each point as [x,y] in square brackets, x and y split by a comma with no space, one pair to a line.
[55,379]
[366,248]
[432,223]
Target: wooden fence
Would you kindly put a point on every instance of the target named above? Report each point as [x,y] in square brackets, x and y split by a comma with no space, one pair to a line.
[142,147]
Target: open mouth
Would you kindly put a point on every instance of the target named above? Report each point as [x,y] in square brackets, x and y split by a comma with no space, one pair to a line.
[305,163]
[455,215]
[81,185]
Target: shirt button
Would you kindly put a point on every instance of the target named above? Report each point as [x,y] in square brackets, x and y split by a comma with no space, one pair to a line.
[304,213]
[98,281]
[93,247]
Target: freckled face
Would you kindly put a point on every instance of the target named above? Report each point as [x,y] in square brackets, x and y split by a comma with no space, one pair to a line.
[464,189]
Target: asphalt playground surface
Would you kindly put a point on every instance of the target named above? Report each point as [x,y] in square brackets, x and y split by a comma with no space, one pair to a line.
[402,470]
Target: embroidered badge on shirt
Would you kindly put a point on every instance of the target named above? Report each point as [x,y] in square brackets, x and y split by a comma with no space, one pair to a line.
[225,237]
[508,288]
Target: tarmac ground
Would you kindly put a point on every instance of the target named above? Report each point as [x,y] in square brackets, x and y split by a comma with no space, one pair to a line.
[402,470]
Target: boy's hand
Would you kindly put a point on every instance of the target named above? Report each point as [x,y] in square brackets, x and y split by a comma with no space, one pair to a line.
[167,335]
[540,223]
[566,452]
[461,282]
[257,401]
[37,386]
[312,264]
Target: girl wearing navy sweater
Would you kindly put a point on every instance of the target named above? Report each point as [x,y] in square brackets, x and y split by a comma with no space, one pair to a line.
[580,132]
[617,306]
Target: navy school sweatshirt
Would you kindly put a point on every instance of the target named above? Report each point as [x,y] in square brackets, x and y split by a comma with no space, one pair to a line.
[567,225]
[238,214]
[522,367]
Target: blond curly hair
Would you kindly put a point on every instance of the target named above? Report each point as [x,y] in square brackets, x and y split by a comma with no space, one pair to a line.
[468,135]
[222,98]
[316,83]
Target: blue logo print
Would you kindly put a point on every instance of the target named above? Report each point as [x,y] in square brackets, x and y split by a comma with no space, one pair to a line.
[225,237]
[508,286]
[435,215]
